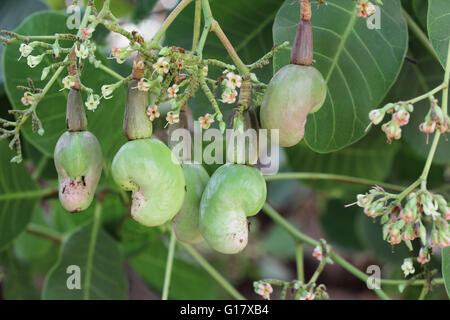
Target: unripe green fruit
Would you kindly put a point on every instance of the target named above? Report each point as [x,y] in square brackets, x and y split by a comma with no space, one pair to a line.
[247,150]
[78,161]
[293,93]
[233,193]
[147,169]
[185,223]
[136,123]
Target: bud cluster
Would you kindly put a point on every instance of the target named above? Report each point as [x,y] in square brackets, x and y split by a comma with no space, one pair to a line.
[400,117]
[406,222]
[435,119]
[303,291]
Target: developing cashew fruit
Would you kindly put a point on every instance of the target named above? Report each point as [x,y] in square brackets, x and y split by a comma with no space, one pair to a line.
[136,123]
[185,223]
[245,149]
[147,169]
[233,193]
[293,93]
[78,161]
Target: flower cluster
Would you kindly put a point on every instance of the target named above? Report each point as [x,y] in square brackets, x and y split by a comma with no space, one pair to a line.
[28,98]
[206,120]
[365,8]
[310,291]
[435,119]
[407,222]
[264,289]
[120,54]
[408,263]
[400,117]
[230,83]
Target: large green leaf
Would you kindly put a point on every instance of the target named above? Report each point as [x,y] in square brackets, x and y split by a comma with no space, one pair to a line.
[105,122]
[18,196]
[100,262]
[38,252]
[420,9]
[439,27]
[446,268]
[370,158]
[147,254]
[339,224]
[143,9]
[16,11]
[358,64]
[18,283]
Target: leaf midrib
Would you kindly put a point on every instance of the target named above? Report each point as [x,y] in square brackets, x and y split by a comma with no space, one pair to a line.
[91,252]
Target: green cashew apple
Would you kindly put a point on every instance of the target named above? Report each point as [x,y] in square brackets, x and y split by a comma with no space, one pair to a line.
[185,223]
[293,93]
[245,148]
[78,161]
[147,169]
[233,193]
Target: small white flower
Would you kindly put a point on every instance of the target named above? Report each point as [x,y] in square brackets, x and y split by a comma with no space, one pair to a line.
[25,50]
[430,208]
[153,112]
[172,117]
[92,102]
[161,66]
[107,91]
[143,85]
[408,267]
[172,91]
[376,116]
[28,98]
[82,52]
[233,81]
[68,82]
[33,61]
[86,32]
[317,253]
[229,96]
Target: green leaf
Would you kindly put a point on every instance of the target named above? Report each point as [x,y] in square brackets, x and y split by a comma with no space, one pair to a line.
[278,243]
[370,158]
[16,11]
[18,284]
[358,64]
[38,252]
[147,255]
[105,123]
[143,9]
[446,268]
[100,262]
[439,27]
[421,10]
[112,213]
[339,224]
[18,196]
